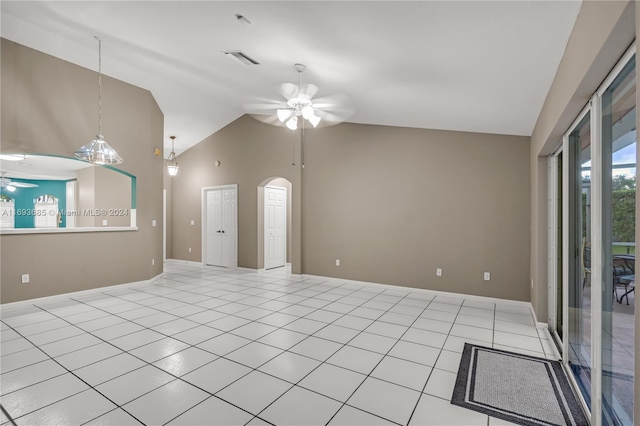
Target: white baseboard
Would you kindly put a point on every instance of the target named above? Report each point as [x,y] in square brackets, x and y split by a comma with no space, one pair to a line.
[432,292]
[242,268]
[186,262]
[63,296]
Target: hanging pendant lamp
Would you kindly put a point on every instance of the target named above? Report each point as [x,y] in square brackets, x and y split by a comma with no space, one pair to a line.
[98,151]
[172,163]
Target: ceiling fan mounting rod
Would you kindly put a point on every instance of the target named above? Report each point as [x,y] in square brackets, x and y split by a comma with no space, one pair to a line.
[300,68]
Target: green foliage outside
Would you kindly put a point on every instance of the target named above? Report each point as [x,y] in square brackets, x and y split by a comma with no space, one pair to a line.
[623,199]
[623,182]
[624,215]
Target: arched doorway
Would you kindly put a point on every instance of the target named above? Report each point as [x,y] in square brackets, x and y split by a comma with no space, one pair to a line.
[275,232]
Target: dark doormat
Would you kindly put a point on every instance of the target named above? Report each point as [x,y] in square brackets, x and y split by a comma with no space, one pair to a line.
[518,388]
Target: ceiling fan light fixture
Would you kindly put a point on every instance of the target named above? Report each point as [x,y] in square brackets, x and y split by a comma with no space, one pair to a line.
[314,120]
[293,123]
[308,112]
[283,114]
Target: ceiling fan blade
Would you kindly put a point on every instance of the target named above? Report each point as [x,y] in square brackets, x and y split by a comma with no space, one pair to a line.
[309,90]
[334,109]
[263,105]
[333,102]
[271,119]
[262,108]
[330,118]
[288,90]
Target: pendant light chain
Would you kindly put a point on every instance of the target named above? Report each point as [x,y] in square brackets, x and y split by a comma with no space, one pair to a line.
[98,151]
[99,86]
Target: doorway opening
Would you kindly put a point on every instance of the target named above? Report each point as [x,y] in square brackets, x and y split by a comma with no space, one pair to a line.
[274,223]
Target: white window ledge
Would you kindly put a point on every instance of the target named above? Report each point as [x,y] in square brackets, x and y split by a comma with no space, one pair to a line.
[66,230]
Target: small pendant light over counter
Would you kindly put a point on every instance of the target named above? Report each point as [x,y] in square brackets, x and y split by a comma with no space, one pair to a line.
[98,151]
[172,163]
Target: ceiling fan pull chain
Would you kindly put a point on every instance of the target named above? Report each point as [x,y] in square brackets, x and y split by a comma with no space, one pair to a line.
[294,151]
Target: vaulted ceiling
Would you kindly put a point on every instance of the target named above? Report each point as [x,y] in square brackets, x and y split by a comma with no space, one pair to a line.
[478,66]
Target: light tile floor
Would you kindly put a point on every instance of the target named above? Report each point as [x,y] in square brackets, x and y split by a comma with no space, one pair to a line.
[211,346]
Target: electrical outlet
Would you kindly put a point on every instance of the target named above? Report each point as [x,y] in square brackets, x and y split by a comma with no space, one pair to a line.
[337,262]
[193,222]
[532,283]
[189,249]
[153,222]
[25,278]
[487,276]
[438,272]
[153,262]
[104,222]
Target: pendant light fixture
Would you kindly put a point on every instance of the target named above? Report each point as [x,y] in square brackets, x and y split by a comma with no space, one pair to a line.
[98,151]
[172,163]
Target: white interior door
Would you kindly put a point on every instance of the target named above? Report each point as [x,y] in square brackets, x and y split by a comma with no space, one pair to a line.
[275,226]
[229,227]
[214,228]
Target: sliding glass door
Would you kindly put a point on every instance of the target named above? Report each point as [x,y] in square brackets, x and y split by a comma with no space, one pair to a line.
[618,246]
[578,235]
[592,304]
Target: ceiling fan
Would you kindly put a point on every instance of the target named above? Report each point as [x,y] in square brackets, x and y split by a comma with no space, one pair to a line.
[11,186]
[298,104]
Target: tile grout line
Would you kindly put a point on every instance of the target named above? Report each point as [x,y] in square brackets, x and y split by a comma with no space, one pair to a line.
[378,363]
[238,289]
[69,396]
[415,407]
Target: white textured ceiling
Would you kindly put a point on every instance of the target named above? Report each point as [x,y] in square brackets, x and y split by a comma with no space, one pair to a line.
[478,66]
[43,167]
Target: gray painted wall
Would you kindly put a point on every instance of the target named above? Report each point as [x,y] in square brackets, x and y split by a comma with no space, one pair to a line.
[101,188]
[391,203]
[49,106]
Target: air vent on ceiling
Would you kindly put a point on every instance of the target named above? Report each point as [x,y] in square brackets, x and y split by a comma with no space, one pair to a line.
[241,57]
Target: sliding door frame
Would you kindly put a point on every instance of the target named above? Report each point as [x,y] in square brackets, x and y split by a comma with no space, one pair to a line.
[599,269]
[555,244]
[567,205]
